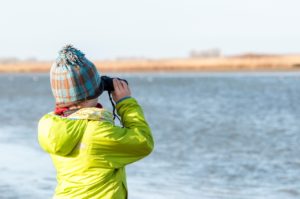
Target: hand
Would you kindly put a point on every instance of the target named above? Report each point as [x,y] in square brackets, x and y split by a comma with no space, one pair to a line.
[121,90]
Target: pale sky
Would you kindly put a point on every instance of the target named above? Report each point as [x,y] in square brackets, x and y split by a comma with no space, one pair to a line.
[147,28]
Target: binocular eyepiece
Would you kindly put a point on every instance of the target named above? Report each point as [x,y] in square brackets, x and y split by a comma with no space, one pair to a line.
[107,83]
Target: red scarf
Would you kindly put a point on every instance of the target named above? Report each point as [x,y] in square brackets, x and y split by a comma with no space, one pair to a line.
[64,110]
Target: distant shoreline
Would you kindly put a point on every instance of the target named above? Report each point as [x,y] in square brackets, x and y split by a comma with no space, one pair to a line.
[251,63]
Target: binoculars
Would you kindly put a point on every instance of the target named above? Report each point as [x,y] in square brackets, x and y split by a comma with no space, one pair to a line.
[107,83]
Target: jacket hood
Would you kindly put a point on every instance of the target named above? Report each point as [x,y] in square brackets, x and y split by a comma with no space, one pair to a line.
[58,135]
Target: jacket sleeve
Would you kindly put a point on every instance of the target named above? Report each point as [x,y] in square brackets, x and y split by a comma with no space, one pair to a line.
[121,146]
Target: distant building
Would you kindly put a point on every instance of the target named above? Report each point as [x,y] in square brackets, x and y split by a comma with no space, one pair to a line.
[210,53]
[8,60]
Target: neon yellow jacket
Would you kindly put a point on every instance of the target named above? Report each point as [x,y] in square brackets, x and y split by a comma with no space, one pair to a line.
[90,153]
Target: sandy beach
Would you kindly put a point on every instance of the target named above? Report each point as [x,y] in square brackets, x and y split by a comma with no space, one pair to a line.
[233,63]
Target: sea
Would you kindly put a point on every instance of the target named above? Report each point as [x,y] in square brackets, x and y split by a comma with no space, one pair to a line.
[217,136]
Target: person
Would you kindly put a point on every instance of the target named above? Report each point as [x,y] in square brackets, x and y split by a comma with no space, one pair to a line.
[88,150]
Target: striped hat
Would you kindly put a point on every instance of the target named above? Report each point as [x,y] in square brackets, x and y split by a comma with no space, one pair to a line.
[73,78]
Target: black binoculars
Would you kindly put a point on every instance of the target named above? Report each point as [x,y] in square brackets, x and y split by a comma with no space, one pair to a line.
[107,83]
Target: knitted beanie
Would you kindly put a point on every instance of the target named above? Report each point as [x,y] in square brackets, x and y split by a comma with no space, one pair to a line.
[73,78]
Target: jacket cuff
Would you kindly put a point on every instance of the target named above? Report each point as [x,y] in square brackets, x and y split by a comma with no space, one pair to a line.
[124,105]
[122,99]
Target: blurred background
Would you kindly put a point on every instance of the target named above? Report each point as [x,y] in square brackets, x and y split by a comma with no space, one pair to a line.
[219,82]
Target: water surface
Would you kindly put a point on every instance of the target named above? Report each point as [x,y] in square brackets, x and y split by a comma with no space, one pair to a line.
[225,136]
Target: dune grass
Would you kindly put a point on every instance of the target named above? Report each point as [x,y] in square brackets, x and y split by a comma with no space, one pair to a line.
[237,63]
